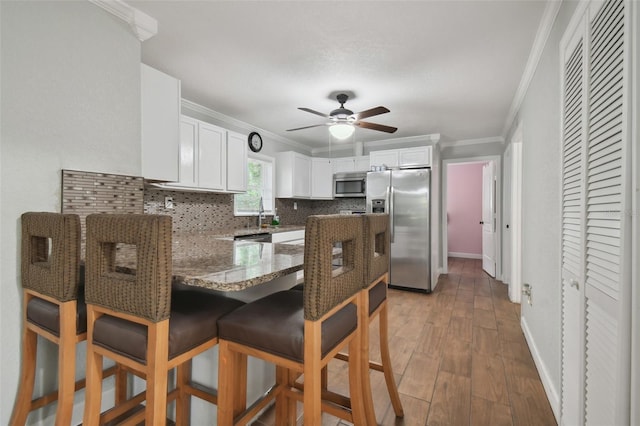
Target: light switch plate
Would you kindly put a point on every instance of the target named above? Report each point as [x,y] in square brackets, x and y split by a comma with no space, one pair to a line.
[168,202]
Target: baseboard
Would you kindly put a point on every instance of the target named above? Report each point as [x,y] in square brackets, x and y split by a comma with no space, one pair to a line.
[465,255]
[552,393]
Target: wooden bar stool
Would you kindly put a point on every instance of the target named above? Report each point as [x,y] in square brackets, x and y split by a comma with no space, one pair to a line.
[301,331]
[377,249]
[134,319]
[54,308]
[376,256]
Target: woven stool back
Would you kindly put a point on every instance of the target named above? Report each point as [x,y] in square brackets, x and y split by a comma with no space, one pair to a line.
[147,294]
[325,287]
[51,254]
[377,245]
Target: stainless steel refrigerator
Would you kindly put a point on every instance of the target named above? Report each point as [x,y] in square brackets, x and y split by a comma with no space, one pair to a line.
[405,196]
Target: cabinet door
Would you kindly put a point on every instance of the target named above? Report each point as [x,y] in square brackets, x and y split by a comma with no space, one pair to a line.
[301,176]
[212,148]
[236,162]
[387,158]
[346,164]
[188,152]
[361,164]
[160,119]
[321,178]
[415,156]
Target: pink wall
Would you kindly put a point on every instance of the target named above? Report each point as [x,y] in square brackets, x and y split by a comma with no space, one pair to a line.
[464,208]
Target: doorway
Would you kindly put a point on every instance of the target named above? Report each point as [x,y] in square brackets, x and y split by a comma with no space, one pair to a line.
[497,203]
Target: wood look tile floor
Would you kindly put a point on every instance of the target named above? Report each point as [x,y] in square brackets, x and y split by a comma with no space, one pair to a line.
[459,357]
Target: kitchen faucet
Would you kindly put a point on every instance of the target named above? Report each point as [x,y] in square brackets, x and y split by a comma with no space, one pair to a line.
[260,213]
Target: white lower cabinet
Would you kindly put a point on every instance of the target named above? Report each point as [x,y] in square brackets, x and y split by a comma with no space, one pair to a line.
[288,236]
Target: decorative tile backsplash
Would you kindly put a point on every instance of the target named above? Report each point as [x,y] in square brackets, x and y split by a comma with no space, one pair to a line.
[84,193]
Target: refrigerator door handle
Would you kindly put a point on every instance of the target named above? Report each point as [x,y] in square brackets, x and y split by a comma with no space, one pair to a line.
[391,213]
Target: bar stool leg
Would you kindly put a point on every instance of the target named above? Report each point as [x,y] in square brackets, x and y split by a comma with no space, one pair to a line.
[285,406]
[93,390]
[226,384]
[66,363]
[367,395]
[157,361]
[183,404]
[386,362]
[27,376]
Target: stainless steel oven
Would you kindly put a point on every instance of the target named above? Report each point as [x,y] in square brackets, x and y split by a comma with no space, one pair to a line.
[349,184]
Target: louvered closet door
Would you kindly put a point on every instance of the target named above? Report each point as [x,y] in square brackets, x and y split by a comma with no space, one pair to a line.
[573,229]
[595,192]
[607,283]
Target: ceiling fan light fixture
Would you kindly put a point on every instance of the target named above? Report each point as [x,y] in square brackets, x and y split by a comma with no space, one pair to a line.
[341,130]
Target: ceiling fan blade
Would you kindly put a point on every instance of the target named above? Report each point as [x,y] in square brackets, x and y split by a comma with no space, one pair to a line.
[374,126]
[370,112]
[306,127]
[321,114]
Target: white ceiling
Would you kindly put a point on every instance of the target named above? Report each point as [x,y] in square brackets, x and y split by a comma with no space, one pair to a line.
[441,67]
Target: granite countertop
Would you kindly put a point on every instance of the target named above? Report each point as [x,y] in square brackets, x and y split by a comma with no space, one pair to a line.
[270,229]
[211,261]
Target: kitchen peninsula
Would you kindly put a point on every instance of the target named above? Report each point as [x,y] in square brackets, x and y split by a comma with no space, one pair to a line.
[221,263]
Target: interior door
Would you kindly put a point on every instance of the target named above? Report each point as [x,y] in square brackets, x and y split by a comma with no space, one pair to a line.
[572,237]
[506,218]
[489,218]
[596,190]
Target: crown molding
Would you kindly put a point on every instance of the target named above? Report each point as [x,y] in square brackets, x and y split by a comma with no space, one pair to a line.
[542,35]
[142,25]
[431,139]
[479,141]
[192,106]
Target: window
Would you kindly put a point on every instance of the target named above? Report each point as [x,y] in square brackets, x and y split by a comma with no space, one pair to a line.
[260,184]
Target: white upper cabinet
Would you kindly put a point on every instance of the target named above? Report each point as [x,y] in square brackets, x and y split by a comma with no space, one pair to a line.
[236,162]
[351,164]
[212,155]
[405,157]
[210,158]
[414,157]
[160,119]
[293,175]
[300,176]
[361,163]
[321,178]
[388,158]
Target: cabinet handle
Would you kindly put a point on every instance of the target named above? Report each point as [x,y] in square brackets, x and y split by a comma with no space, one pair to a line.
[574,283]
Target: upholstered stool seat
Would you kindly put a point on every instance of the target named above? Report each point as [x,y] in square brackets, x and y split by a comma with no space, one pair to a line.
[193,321]
[47,315]
[275,324]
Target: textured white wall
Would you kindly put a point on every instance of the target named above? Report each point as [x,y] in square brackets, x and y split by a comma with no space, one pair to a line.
[70,99]
[541,219]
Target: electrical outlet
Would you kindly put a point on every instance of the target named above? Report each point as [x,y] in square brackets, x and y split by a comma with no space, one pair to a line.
[295,205]
[168,202]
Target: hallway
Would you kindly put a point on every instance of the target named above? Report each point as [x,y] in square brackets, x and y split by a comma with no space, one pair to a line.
[459,357]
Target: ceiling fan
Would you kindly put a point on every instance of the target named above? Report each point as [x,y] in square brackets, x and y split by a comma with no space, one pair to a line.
[342,119]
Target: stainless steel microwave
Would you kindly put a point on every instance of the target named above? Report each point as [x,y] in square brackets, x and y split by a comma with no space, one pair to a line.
[350,184]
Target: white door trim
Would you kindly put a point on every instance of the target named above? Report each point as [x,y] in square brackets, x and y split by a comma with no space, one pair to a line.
[515,286]
[444,229]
